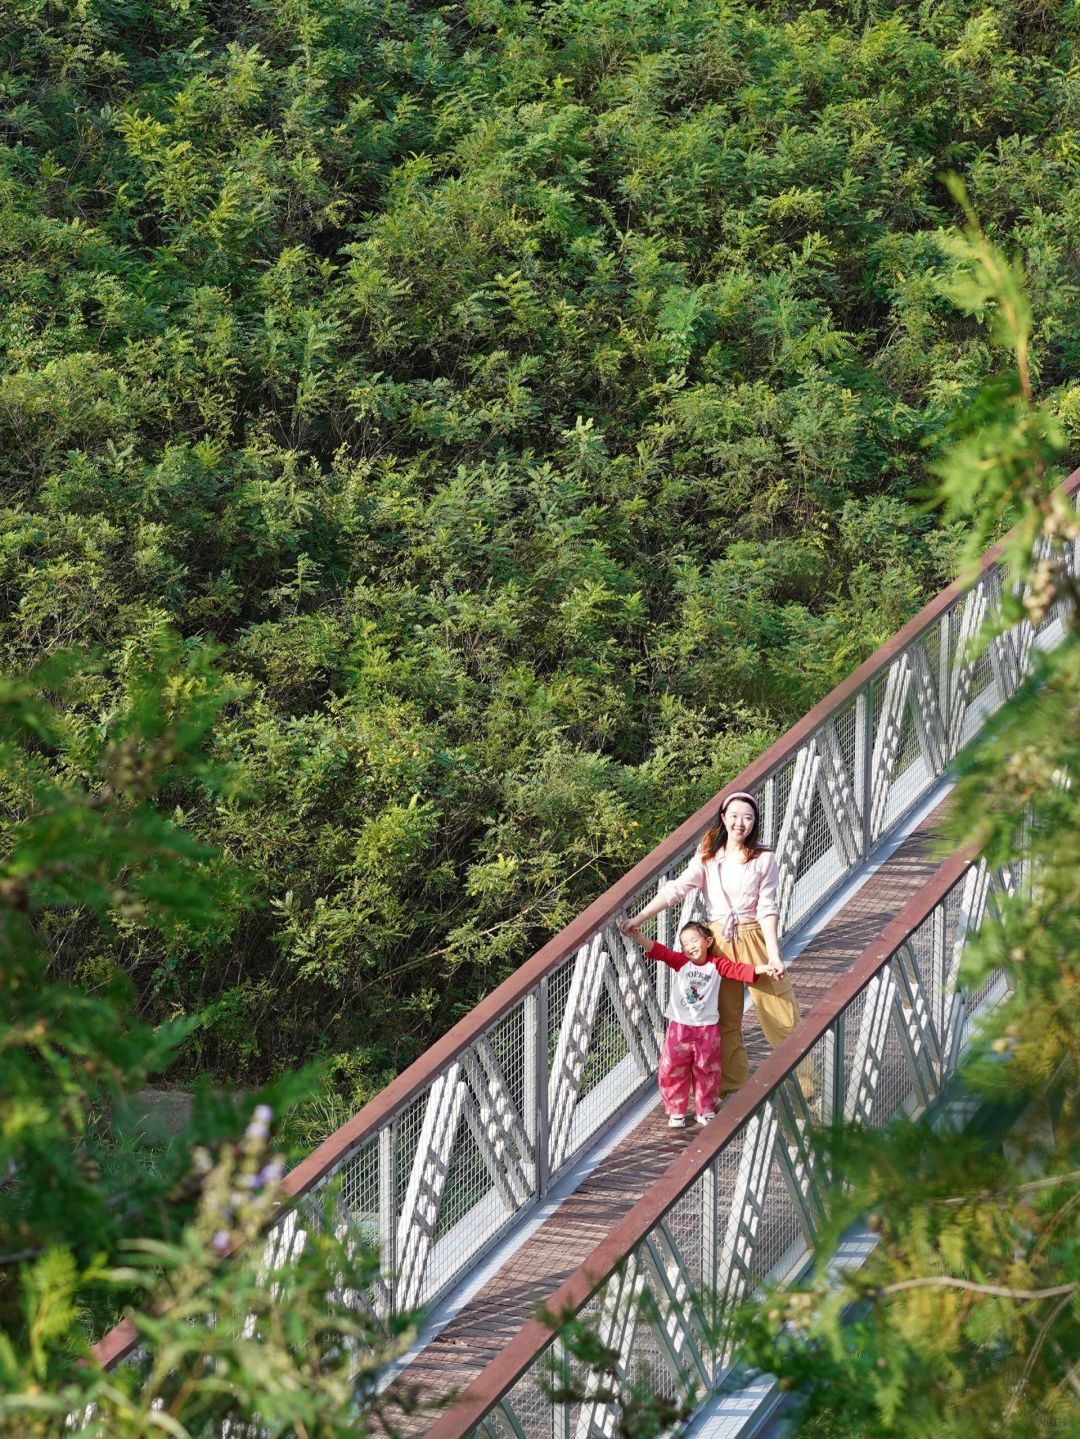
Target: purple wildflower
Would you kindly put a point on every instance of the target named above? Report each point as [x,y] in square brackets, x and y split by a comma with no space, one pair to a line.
[268,1174]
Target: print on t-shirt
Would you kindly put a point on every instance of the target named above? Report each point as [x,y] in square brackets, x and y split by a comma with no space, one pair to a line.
[697,987]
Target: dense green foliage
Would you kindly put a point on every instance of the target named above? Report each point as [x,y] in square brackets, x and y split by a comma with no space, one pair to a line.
[90,1218]
[527,400]
[965,1321]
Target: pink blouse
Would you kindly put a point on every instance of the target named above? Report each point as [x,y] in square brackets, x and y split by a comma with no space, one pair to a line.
[750,888]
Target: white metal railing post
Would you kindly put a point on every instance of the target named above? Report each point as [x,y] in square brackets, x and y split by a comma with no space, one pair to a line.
[388,1210]
[541,1067]
[769,824]
[534,1081]
[710,1261]
[940,969]
[833,1078]
[864,720]
[944,678]
[561,1417]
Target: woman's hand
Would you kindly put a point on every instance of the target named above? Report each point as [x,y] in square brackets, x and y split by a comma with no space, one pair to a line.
[772,969]
[770,930]
[629,927]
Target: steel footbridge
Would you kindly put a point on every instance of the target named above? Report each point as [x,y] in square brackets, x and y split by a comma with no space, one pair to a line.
[523,1162]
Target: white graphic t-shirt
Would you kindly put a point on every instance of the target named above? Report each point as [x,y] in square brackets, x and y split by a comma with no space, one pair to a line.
[695,995]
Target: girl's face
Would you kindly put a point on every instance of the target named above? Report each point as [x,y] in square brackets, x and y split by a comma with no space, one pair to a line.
[694,945]
[739,818]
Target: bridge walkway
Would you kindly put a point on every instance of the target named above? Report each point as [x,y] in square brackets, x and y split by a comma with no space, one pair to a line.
[532,1270]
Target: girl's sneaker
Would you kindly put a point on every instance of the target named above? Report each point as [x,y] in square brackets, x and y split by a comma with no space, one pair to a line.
[676,1121]
[704,1118]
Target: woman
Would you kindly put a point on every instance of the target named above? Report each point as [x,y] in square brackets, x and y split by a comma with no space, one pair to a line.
[738,877]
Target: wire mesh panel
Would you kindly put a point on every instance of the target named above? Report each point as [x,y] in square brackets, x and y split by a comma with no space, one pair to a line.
[527,1412]
[607,1052]
[664,1354]
[782,1243]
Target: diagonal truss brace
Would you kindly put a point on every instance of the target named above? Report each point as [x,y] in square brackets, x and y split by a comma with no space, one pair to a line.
[973,901]
[620,1311]
[798,1163]
[887,740]
[572,1046]
[633,999]
[963,672]
[915,1026]
[747,1207]
[423,1194]
[678,1308]
[838,796]
[868,1060]
[496,1126]
[795,825]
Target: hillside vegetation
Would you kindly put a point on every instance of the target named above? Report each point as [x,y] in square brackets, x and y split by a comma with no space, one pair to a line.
[526,404]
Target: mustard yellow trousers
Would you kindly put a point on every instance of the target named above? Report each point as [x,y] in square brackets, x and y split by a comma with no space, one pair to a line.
[774,999]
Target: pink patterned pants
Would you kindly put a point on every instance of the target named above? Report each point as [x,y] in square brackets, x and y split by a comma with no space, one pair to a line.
[691,1052]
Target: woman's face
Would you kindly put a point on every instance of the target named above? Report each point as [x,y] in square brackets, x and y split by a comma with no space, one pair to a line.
[739,819]
[694,945]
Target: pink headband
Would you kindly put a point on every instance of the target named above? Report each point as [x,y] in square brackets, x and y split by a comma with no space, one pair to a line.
[740,794]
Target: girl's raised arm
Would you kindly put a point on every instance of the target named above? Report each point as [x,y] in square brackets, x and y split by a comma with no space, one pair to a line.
[653,950]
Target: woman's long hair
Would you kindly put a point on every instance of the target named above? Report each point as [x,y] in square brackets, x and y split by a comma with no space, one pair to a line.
[716,837]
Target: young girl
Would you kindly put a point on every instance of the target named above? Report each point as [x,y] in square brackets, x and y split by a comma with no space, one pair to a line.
[738,877]
[692,1043]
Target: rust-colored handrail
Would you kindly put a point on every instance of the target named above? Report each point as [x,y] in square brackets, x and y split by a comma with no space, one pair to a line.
[366,1122]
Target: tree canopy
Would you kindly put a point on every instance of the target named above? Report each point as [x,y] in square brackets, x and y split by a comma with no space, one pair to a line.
[527,405]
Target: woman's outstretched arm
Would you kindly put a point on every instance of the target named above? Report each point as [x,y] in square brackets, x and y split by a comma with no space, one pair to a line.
[692,877]
[652,950]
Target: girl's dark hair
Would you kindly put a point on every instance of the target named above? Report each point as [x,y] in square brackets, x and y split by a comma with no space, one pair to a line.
[716,837]
[701,929]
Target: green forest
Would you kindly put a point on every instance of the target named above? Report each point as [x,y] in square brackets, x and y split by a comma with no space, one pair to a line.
[507,417]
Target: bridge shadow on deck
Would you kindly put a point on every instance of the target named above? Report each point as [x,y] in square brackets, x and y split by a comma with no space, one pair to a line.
[457,1355]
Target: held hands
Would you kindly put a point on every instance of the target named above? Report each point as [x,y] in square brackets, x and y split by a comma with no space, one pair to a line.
[772,969]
